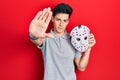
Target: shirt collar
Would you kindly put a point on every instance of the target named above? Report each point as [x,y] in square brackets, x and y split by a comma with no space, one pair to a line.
[65,36]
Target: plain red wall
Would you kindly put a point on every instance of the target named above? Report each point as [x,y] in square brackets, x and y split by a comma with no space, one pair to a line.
[21,60]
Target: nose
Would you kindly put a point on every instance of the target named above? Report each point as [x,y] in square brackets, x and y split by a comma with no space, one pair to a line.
[61,23]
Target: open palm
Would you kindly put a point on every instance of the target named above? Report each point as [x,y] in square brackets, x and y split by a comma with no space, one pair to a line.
[39,24]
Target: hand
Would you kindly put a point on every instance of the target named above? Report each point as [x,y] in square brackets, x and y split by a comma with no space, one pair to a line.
[39,24]
[91,40]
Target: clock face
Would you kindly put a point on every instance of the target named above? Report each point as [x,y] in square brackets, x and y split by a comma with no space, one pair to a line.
[79,37]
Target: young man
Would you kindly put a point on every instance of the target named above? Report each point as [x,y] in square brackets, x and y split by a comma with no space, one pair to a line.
[58,53]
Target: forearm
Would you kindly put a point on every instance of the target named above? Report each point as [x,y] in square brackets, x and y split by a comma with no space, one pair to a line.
[82,62]
[85,59]
[36,41]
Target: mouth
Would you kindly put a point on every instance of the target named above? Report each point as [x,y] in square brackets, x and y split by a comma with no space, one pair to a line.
[60,27]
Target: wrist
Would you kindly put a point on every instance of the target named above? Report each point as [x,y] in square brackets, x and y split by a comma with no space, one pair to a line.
[31,37]
[89,49]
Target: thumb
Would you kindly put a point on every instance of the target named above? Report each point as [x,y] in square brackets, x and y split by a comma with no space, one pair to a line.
[49,35]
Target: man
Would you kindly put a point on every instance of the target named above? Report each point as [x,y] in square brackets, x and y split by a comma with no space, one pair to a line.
[58,53]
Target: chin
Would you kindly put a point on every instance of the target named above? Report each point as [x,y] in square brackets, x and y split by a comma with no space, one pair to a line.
[60,31]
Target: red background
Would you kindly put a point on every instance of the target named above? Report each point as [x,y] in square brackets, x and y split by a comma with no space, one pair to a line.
[21,60]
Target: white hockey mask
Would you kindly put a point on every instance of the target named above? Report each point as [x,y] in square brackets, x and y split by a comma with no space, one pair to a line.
[79,37]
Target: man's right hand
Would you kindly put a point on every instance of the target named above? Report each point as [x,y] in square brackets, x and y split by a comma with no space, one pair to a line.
[39,24]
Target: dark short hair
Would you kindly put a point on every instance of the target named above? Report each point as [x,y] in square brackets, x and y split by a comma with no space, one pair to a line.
[62,8]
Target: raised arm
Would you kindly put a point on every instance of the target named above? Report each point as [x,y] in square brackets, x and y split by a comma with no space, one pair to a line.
[39,25]
[82,62]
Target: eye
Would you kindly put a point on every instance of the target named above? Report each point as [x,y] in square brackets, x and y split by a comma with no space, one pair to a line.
[57,19]
[78,39]
[85,38]
[65,20]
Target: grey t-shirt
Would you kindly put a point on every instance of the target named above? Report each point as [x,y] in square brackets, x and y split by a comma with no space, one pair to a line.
[58,55]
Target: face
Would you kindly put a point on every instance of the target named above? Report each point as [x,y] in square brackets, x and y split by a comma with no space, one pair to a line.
[60,21]
[79,37]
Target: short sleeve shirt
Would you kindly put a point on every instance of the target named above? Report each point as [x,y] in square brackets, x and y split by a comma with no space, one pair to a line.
[58,55]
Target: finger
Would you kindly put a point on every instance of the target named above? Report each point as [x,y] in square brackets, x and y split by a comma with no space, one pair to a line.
[48,18]
[91,33]
[47,13]
[92,39]
[38,15]
[43,13]
[92,43]
[49,35]
[91,36]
